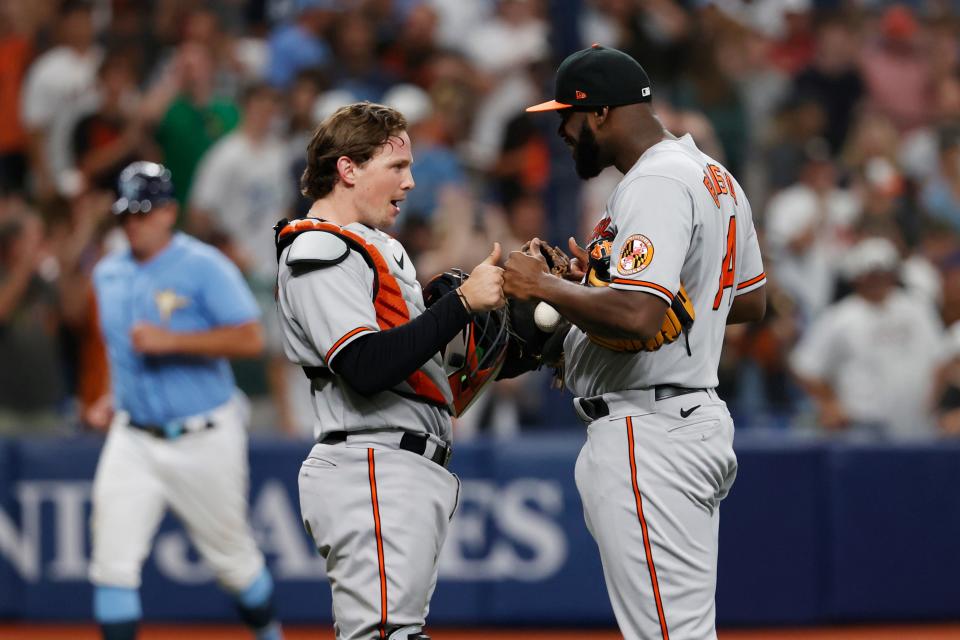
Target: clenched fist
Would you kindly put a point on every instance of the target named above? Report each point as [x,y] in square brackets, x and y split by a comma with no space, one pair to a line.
[523,272]
[149,339]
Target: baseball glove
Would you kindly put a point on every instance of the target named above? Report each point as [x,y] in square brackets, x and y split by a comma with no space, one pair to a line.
[530,347]
[678,320]
[557,261]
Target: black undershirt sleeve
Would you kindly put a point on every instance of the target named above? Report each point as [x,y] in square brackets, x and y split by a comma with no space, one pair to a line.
[382,360]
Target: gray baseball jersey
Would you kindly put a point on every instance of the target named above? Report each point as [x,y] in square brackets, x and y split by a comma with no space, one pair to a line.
[377,513]
[656,464]
[324,309]
[677,216]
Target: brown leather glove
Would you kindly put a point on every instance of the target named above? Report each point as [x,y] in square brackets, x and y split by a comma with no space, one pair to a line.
[679,318]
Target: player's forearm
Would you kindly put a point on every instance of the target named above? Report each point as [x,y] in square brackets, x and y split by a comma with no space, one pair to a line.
[239,341]
[819,390]
[382,360]
[603,311]
[748,307]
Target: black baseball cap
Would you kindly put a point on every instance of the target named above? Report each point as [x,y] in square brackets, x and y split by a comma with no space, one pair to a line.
[598,77]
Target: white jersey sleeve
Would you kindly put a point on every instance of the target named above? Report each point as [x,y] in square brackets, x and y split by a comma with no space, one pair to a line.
[654,226]
[333,305]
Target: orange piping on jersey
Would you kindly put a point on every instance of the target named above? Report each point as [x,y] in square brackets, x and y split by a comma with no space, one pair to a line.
[388,302]
[371,466]
[338,343]
[664,633]
[751,281]
[644,283]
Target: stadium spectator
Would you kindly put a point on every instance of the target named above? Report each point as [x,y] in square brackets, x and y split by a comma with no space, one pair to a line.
[299,44]
[941,193]
[947,388]
[896,69]
[809,226]
[408,56]
[502,50]
[359,70]
[31,378]
[194,120]
[833,79]
[16,50]
[917,152]
[55,82]
[79,241]
[113,135]
[868,362]
[241,188]
[436,165]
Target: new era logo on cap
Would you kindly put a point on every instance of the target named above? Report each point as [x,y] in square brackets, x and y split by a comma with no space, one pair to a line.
[598,77]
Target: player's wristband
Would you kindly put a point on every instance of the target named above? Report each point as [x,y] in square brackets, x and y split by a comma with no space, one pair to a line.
[463,299]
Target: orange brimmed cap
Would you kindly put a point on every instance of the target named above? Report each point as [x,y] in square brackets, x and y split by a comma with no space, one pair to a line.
[597,77]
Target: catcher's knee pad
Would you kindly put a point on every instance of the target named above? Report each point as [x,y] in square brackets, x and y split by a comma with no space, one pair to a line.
[411,632]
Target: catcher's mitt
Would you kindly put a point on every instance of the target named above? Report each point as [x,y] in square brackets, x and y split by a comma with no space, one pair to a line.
[678,320]
[474,357]
[530,347]
[558,262]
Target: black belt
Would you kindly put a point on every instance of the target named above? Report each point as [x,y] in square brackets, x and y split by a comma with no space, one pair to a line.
[413,442]
[595,407]
[169,431]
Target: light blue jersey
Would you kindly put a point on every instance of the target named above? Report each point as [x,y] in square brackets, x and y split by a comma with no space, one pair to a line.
[188,287]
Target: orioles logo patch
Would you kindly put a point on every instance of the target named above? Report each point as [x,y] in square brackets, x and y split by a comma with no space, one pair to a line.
[636,255]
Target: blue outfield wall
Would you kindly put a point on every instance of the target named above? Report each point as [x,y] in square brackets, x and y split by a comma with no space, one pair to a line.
[811,533]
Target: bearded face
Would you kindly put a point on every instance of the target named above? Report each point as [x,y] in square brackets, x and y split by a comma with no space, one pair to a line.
[586,154]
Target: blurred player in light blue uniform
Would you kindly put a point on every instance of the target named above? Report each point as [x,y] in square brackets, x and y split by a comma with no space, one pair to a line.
[172,311]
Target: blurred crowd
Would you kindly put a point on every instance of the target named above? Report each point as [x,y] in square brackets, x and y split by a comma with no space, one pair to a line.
[841,118]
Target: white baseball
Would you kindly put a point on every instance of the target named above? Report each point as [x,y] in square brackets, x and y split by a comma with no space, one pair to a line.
[546,317]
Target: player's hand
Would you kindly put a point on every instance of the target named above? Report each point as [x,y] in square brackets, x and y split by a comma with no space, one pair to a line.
[149,339]
[99,414]
[483,290]
[579,261]
[523,272]
[832,415]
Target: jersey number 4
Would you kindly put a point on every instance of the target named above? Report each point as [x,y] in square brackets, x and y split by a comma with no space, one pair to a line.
[728,267]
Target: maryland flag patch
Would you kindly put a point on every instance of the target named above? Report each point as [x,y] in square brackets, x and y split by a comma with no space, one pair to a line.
[636,255]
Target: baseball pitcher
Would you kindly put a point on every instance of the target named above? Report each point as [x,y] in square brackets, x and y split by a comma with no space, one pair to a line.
[673,259]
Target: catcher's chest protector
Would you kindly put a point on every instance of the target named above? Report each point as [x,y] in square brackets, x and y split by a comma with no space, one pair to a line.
[388,300]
